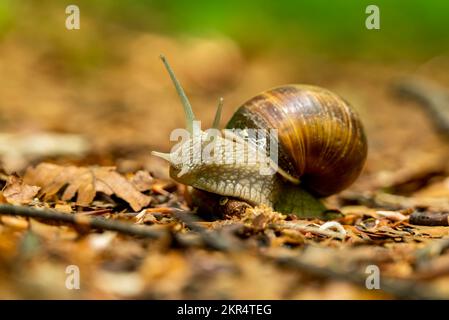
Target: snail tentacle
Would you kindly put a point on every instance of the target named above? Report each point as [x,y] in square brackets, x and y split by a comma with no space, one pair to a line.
[190,116]
[162,155]
[217,118]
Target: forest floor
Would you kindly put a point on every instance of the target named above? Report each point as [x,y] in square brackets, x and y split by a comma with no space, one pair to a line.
[80,150]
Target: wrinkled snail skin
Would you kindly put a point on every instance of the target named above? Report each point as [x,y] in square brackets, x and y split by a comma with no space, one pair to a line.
[239,180]
[321,150]
[321,139]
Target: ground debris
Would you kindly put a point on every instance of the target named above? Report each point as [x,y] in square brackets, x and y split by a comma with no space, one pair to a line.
[87,193]
[85,182]
[17,192]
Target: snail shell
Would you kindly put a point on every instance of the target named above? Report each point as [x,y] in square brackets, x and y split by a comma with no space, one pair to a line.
[321,138]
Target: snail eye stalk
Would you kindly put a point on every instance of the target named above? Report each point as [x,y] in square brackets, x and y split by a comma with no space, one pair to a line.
[216,124]
[190,116]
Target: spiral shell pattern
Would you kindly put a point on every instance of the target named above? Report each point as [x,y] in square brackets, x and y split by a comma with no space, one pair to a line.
[321,138]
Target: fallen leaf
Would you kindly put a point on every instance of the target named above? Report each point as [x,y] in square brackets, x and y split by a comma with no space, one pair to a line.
[142,180]
[85,182]
[17,192]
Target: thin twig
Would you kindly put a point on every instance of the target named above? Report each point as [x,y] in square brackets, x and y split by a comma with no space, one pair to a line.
[81,220]
[426,218]
[430,95]
[210,238]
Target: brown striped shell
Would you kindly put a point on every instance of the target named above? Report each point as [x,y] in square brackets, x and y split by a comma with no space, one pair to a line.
[321,138]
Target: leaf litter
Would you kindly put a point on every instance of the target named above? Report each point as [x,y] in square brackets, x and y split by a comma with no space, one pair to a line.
[85,183]
[131,230]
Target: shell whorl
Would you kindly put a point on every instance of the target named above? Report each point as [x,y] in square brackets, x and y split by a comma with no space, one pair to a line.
[321,138]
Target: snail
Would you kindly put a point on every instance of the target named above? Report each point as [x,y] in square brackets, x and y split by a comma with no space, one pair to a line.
[321,149]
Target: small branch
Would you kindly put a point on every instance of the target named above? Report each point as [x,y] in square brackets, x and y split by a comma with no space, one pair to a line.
[425,218]
[81,220]
[210,238]
[431,96]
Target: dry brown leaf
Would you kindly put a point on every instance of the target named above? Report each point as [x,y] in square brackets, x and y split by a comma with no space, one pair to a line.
[142,180]
[17,192]
[85,182]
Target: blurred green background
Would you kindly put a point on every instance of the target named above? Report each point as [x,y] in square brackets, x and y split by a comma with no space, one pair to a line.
[411,29]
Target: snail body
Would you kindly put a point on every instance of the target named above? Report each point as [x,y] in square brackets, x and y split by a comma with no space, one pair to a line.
[321,150]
